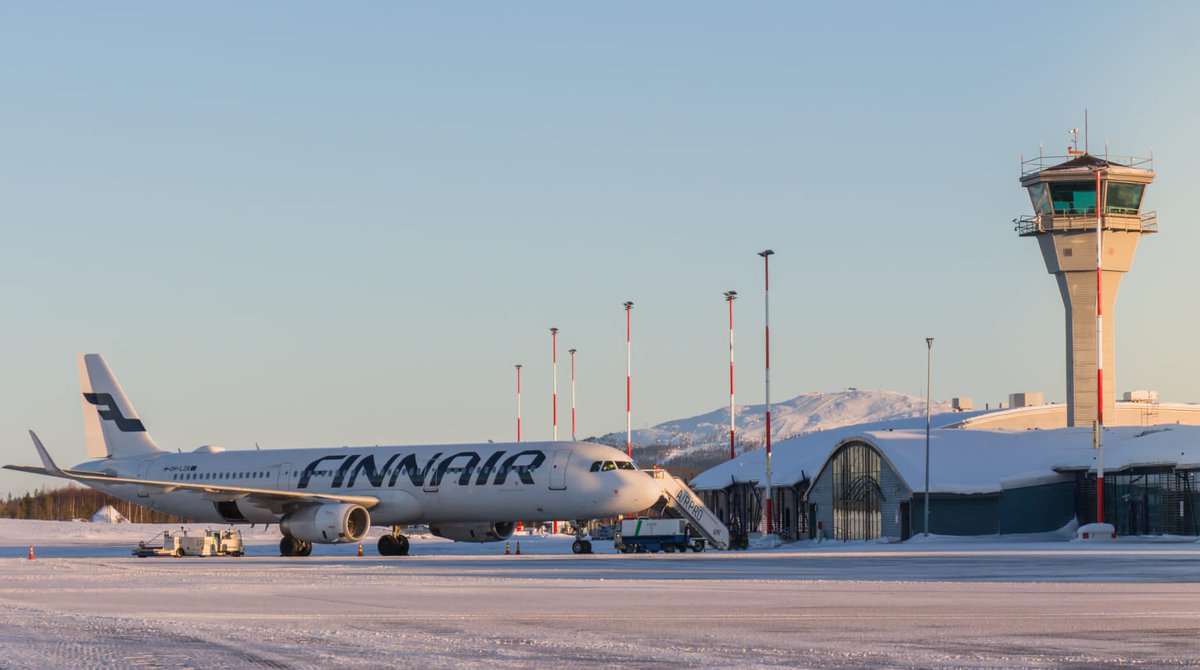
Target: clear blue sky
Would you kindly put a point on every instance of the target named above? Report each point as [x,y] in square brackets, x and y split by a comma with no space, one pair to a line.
[342,223]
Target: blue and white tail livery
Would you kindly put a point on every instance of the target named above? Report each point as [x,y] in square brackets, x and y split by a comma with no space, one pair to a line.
[110,423]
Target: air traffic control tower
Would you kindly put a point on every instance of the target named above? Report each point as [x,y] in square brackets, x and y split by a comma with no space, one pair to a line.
[1065,224]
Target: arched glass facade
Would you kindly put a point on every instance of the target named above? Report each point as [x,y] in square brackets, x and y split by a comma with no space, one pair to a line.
[857,498]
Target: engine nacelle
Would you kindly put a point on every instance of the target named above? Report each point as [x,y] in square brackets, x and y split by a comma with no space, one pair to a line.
[328,524]
[474,532]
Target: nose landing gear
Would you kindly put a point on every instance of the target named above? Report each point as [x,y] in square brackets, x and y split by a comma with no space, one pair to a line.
[582,543]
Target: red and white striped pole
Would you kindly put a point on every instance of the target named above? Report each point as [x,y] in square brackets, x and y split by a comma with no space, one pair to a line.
[518,402]
[766,255]
[554,358]
[628,382]
[730,296]
[572,352]
[1099,425]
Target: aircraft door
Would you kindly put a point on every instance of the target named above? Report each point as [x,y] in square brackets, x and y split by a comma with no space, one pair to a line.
[143,473]
[283,474]
[558,470]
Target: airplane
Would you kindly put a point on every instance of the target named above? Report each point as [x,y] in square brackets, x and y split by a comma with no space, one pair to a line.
[464,492]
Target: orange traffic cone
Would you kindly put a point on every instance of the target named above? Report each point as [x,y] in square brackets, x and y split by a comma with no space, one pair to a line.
[506,549]
[360,548]
[31,552]
[518,548]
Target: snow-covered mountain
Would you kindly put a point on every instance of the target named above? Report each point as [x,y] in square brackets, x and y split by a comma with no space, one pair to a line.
[806,413]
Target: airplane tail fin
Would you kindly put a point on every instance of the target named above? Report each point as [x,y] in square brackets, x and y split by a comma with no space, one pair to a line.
[110,423]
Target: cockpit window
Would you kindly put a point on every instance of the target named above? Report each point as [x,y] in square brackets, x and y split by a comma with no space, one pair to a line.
[608,465]
[596,466]
[625,465]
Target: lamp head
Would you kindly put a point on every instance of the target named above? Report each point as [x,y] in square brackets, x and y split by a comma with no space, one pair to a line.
[730,295]
[766,253]
[629,305]
[929,342]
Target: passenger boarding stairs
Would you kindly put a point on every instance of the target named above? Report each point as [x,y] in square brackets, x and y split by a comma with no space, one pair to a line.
[684,501]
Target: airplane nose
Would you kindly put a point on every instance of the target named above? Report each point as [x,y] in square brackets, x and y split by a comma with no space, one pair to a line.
[649,491]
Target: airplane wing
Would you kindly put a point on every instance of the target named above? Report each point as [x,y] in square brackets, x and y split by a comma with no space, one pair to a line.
[216,492]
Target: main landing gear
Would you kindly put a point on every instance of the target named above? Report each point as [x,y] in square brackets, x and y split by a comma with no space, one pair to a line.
[581,545]
[294,546]
[393,544]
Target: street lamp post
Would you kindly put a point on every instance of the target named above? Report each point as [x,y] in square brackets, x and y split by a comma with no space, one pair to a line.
[730,296]
[572,352]
[766,255]
[628,382]
[518,402]
[928,395]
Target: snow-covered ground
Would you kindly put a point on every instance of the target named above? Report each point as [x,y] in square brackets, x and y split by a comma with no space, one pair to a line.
[937,603]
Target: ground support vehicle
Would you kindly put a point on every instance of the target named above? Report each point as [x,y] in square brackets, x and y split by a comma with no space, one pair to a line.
[653,535]
[180,543]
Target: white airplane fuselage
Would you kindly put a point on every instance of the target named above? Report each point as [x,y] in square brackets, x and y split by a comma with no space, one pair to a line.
[529,481]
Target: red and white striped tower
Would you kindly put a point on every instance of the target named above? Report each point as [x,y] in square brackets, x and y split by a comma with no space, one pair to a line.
[1098,428]
[518,402]
[766,255]
[554,358]
[730,296]
[628,382]
[572,352]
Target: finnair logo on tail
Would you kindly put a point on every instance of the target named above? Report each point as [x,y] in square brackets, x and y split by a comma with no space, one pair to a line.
[110,411]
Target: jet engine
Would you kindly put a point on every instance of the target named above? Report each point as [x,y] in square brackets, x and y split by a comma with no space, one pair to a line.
[328,524]
[474,532]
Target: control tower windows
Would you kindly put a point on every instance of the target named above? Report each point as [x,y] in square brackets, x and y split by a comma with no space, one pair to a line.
[1073,197]
[1041,199]
[1123,198]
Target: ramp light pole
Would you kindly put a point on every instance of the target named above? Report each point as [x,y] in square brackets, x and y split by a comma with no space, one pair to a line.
[518,402]
[928,395]
[572,352]
[730,296]
[766,256]
[554,359]
[1098,426]
[628,382]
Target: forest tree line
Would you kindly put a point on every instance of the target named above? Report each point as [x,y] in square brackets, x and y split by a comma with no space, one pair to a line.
[75,502]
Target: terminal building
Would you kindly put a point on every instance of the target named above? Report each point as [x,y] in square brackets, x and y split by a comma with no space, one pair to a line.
[1027,468]
[868,482]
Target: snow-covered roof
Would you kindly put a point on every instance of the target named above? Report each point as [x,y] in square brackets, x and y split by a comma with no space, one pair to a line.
[966,460]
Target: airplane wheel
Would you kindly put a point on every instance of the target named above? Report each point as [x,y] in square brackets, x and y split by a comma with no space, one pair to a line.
[577,546]
[289,546]
[387,546]
[401,545]
[587,546]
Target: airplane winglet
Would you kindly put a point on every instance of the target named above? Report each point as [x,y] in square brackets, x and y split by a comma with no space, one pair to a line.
[48,462]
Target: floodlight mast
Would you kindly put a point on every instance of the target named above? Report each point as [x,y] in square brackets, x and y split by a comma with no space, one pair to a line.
[518,402]
[730,296]
[1098,426]
[928,396]
[628,381]
[572,352]
[554,368]
[766,255]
